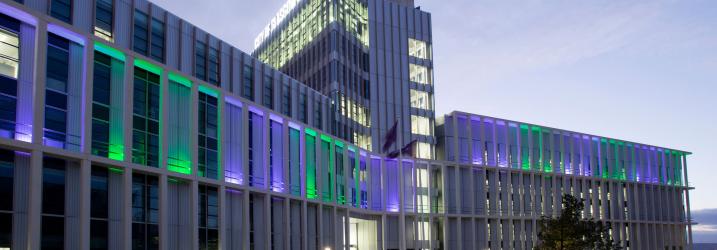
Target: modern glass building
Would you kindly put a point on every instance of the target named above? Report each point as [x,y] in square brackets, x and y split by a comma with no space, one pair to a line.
[371,57]
[123,126]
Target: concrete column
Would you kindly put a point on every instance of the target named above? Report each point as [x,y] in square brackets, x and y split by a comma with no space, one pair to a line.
[87,99]
[128,107]
[38,118]
[34,211]
[85,196]
[127,208]
[194,213]
[163,212]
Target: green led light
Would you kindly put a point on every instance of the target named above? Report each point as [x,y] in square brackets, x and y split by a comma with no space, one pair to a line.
[180,79]
[148,66]
[116,170]
[340,144]
[107,50]
[326,138]
[310,132]
[209,91]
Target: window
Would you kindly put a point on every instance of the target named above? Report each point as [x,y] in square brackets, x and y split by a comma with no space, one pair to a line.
[256,149]
[420,125]
[9,52]
[145,119]
[206,63]
[208,147]
[99,208]
[302,107]
[419,74]
[208,218]
[56,90]
[423,150]
[200,60]
[248,82]
[9,65]
[317,114]
[157,40]
[53,204]
[141,34]
[145,212]
[62,10]
[268,92]
[420,99]
[103,19]
[286,100]
[417,48]
[213,71]
[101,105]
[7,162]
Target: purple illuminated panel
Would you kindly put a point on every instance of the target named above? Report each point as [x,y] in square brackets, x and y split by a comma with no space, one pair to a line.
[392,188]
[277,156]
[17,14]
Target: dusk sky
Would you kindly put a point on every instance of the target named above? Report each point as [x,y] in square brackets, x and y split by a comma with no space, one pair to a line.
[634,70]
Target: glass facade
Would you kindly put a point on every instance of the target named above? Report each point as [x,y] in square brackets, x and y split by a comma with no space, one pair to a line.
[419,74]
[145,212]
[208,218]
[145,118]
[99,208]
[62,10]
[56,92]
[9,67]
[53,203]
[104,19]
[149,33]
[418,49]
[208,138]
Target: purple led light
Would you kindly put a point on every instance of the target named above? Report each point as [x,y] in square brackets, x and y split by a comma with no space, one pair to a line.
[256,110]
[276,118]
[17,14]
[233,101]
[64,32]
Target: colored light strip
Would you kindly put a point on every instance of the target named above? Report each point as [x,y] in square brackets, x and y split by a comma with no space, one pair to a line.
[179,79]
[209,91]
[310,132]
[148,66]
[17,14]
[107,50]
[276,118]
[326,138]
[233,101]
[64,32]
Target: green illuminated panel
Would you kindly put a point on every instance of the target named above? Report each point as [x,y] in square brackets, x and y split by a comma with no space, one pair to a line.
[525,145]
[209,91]
[310,164]
[107,50]
[148,66]
[327,172]
[180,79]
[179,146]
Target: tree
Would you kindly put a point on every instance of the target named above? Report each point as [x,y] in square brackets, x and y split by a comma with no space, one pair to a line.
[570,232]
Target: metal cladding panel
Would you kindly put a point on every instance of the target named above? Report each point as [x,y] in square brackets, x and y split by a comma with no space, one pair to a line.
[235,69]
[142,5]
[20,202]
[234,214]
[83,13]
[25,102]
[75,97]
[225,53]
[115,204]
[157,12]
[41,6]
[123,20]
[172,41]
[187,47]
[72,205]
[179,224]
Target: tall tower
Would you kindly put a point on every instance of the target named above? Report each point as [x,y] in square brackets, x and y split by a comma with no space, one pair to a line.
[372,57]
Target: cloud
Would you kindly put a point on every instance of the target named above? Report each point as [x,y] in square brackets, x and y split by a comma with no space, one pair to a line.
[706,229]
